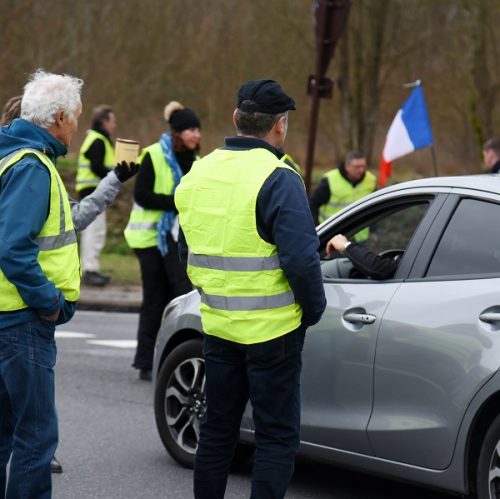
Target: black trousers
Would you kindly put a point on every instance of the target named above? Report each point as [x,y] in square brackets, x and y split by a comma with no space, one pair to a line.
[268,374]
[163,278]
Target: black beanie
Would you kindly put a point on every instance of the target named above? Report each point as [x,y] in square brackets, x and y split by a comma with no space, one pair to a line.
[184,119]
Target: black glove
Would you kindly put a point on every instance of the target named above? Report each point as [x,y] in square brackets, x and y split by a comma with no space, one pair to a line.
[125,170]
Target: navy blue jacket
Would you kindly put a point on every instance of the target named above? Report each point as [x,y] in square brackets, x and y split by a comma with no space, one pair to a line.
[284,219]
[24,207]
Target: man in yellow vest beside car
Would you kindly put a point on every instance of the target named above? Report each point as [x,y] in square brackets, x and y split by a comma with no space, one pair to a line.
[39,277]
[95,161]
[343,185]
[253,255]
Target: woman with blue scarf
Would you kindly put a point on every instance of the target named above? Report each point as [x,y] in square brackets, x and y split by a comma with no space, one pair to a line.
[152,228]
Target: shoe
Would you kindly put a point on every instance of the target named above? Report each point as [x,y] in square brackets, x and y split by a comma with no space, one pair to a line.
[91,278]
[55,465]
[146,374]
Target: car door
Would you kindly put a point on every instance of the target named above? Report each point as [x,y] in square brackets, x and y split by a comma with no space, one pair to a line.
[337,375]
[339,352]
[439,341]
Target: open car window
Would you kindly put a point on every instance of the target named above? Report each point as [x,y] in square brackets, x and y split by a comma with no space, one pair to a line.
[385,230]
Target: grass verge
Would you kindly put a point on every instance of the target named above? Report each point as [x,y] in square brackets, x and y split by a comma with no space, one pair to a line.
[123,269]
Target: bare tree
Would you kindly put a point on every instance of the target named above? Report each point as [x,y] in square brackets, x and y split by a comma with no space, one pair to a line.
[139,54]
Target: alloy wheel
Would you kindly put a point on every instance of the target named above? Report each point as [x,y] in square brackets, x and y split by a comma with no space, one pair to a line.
[185,403]
[494,473]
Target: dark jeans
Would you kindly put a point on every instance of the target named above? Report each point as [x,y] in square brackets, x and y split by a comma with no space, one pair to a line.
[269,375]
[28,419]
[163,278]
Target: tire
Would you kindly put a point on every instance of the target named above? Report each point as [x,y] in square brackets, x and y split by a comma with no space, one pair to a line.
[489,460]
[182,375]
[180,402]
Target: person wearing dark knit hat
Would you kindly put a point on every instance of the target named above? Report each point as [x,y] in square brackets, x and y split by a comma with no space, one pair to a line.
[181,119]
[152,229]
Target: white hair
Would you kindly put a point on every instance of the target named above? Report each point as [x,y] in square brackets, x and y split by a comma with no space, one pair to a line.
[46,93]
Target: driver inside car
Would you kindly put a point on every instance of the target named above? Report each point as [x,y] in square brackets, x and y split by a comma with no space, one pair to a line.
[365,262]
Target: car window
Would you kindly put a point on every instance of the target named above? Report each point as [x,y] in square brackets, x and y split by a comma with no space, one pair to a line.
[392,229]
[470,243]
[380,229]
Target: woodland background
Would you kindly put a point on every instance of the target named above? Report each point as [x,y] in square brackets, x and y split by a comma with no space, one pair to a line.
[136,55]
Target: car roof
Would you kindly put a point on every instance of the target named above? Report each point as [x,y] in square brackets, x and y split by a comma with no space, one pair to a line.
[489,182]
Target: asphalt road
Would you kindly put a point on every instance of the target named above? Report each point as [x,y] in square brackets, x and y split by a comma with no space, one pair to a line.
[109,446]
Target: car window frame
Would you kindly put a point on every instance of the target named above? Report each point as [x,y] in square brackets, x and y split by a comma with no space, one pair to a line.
[436,200]
[436,231]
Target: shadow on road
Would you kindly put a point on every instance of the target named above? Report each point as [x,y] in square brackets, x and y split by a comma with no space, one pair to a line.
[313,480]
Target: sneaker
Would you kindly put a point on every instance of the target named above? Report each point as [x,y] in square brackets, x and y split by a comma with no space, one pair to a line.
[55,465]
[91,278]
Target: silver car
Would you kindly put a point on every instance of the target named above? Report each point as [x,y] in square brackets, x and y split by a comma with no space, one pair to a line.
[400,377]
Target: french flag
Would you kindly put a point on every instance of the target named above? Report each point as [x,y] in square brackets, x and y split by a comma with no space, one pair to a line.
[410,130]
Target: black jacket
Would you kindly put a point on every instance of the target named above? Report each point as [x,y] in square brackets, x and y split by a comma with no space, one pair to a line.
[369,264]
[95,154]
[144,194]
[495,168]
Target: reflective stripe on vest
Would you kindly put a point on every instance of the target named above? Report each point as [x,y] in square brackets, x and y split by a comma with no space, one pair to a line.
[243,264]
[245,296]
[248,302]
[142,226]
[55,242]
[85,177]
[141,230]
[58,251]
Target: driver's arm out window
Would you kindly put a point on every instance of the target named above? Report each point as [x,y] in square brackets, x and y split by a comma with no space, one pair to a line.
[390,232]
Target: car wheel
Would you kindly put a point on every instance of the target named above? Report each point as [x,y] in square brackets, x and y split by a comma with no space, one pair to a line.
[180,404]
[180,401]
[488,472]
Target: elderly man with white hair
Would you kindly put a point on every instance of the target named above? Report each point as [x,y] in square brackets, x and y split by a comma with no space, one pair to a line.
[39,277]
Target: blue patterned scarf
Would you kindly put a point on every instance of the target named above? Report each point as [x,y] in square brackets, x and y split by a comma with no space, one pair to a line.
[168,217]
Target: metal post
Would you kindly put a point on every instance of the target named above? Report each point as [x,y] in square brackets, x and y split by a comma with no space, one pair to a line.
[314,87]
[433,151]
[311,141]
[330,17]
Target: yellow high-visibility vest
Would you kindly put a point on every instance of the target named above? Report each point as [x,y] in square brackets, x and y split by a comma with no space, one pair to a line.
[343,193]
[85,177]
[142,227]
[58,255]
[245,295]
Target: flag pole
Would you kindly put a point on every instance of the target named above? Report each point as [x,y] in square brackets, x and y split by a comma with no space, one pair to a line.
[412,84]
[434,161]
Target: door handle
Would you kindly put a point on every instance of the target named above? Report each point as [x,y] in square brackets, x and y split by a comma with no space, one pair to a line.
[357,318]
[490,317]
